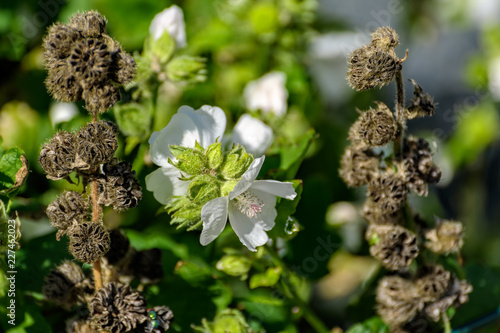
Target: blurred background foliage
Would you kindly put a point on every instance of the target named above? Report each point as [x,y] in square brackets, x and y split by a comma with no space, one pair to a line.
[454,54]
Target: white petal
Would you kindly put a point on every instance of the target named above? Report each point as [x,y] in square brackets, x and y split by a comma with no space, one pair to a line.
[267,216]
[61,112]
[165,183]
[186,127]
[253,134]
[247,178]
[280,189]
[267,93]
[171,20]
[214,217]
[250,233]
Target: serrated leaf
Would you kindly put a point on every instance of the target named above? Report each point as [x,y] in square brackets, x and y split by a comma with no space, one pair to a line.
[285,225]
[267,279]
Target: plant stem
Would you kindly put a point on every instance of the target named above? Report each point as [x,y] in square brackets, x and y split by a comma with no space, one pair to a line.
[95,219]
[400,113]
[289,291]
[446,323]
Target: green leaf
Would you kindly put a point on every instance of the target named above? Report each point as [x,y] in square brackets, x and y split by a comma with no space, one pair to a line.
[285,225]
[193,271]
[293,154]
[265,307]
[160,50]
[267,279]
[372,325]
[13,170]
[134,119]
[186,68]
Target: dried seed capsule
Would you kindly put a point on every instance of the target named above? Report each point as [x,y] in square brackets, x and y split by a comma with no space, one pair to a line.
[58,41]
[88,24]
[99,99]
[358,167]
[119,187]
[374,215]
[388,191]
[397,300]
[90,73]
[67,210]
[66,285]
[446,237]
[97,143]
[57,157]
[88,242]
[422,104]
[393,245]
[377,126]
[116,308]
[385,38]
[432,282]
[456,294]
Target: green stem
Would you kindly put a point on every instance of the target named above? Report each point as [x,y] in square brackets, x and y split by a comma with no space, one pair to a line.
[446,323]
[400,113]
[289,291]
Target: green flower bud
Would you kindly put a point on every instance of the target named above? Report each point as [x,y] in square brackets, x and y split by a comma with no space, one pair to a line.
[236,162]
[227,187]
[215,155]
[203,188]
[234,265]
[230,320]
[186,68]
[184,213]
[189,160]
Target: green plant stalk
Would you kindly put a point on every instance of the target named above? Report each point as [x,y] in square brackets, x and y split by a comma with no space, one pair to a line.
[446,323]
[289,292]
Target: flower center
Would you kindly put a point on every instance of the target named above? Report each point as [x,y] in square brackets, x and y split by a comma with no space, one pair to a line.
[248,203]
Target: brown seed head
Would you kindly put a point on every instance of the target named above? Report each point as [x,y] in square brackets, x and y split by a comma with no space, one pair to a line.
[88,242]
[446,237]
[57,157]
[67,210]
[377,126]
[385,38]
[358,167]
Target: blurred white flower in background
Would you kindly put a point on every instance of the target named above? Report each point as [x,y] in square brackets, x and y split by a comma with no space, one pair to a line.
[171,20]
[62,112]
[267,93]
[253,134]
[494,78]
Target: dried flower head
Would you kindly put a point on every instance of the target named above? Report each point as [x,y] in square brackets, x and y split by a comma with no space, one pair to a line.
[84,62]
[456,294]
[385,38]
[388,191]
[67,210]
[422,104]
[432,282]
[88,241]
[374,215]
[97,143]
[146,265]
[377,126]
[446,237]
[116,308]
[57,157]
[397,300]
[66,285]
[393,245]
[119,187]
[358,167]
[369,67]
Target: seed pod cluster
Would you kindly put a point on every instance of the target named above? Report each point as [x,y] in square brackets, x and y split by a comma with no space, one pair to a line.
[84,62]
[57,156]
[374,64]
[66,211]
[66,285]
[430,293]
[118,186]
[393,245]
[88,241]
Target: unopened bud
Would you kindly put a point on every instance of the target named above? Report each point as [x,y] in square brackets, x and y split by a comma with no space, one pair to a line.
[236,162]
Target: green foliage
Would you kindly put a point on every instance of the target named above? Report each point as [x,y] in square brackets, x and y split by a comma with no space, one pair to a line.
[372,325]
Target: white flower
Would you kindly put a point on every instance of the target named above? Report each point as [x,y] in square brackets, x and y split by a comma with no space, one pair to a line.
[250,206]
[267,94]
[186,126]
[62,112]
[171,20]
[253,134]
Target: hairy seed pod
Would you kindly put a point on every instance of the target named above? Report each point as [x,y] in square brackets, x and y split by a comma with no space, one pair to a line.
[446,237]
[66,285]
[385,38]
[57,157]
[397,300]
[456,294]
[69,209]
[58,41]
[99,99]
[377,126]
[97,143]
[393,245]
[116,309]
[358,167]
[119,187]
[88,242]
[388,191]
[88,24]
[432,282]
[374,215]
[90,73]
[422,105]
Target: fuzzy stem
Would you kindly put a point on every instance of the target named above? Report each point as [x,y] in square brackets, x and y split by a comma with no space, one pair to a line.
[400,113]
[95,219]
[446,323]
[289,292]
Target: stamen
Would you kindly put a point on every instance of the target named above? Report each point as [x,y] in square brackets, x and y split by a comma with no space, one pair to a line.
[248,203]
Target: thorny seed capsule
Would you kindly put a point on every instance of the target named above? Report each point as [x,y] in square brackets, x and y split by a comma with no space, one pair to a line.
[57,157]
[88,24]
[394,246]
[97,143]
[388,191]
[116,308]
[385,38]
[374,215]
[432,282]
[88,241]
[455,295]
[69,209]
[358,167]
[377,126]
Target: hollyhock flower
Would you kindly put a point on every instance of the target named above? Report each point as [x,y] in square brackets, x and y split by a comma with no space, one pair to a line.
[267,94]
[61,112]
[185,128]
[253,134]
[170,20]
[250,207]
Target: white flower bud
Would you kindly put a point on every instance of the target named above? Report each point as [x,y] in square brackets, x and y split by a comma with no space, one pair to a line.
[62,112]
[267,94]
[171,20]
[253,134]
